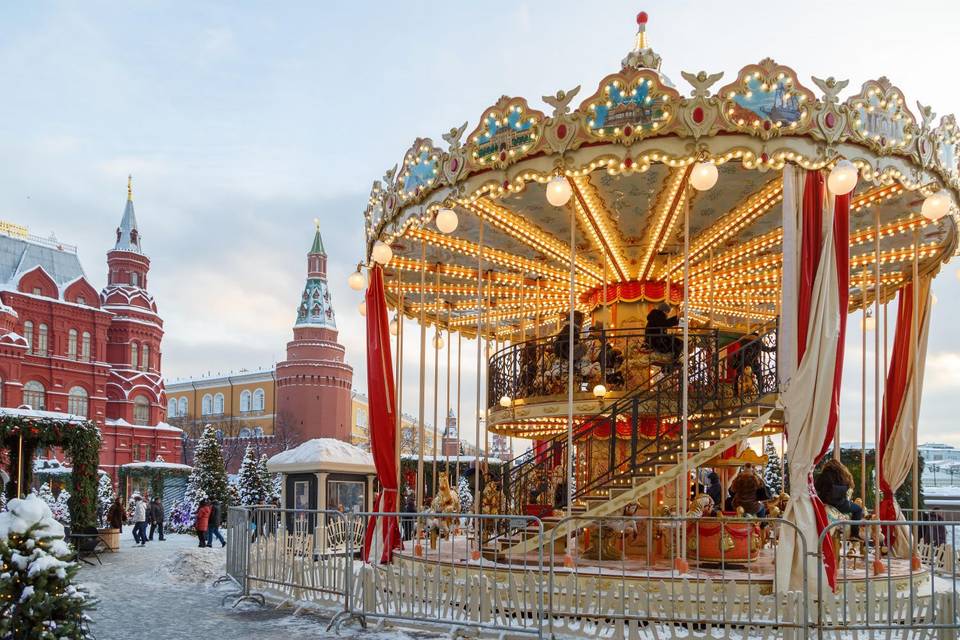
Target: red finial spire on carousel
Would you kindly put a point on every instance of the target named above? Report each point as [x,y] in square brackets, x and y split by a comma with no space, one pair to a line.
[641,30]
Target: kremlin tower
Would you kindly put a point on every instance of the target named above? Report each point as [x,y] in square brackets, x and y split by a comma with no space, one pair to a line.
[133,339]
[314,382]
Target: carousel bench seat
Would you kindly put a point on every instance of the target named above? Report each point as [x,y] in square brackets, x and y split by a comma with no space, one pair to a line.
[730,540]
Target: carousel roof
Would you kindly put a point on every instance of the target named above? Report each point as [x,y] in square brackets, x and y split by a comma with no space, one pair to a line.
[626,151]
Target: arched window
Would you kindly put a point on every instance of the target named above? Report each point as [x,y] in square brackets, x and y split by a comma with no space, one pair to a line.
[182,407]
[28,335]
[258,432]
[42,340]
[135,278]
[133,355]
[85,346]
[72,344]
[218,404]
[145,356]
[244,401]
[172,408]
[244,433]
[77,402]
[141,410]
[35,395]
[206,405]
[258,400]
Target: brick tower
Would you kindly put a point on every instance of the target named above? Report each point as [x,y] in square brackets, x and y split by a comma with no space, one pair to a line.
[135,387]
[313,383]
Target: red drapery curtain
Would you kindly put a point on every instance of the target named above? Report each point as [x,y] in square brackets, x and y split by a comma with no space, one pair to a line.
[383,532]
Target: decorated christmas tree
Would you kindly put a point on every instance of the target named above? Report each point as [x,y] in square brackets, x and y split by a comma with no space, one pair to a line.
[38,598]
[207,481]
[772,474]
[61,508]
[105,498]
[251,484]
[463,492]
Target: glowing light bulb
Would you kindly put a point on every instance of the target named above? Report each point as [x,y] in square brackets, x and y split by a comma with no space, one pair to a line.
[843,178]
[447,220]
[558,191]
[394,326]
[438,341]
[357,280]
[599,391]
[382,253]
[869,323]
[505,401]
[703,176]
[935,206]
[362,308]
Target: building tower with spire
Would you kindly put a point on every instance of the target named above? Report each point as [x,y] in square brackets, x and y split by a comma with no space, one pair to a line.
[135,388]
[314,382]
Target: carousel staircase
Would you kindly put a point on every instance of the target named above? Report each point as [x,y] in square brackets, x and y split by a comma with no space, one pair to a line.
[719,419]
[613,499]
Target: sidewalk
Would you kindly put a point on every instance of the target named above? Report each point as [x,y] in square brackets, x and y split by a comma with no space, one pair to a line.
[164,588]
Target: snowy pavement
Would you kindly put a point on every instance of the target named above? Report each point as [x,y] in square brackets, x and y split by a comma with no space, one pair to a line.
[165,588]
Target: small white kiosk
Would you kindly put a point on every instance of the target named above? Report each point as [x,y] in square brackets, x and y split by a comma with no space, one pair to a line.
[325,473]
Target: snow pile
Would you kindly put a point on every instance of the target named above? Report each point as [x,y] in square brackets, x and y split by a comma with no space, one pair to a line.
[24,514]
[197,566]
[321,451]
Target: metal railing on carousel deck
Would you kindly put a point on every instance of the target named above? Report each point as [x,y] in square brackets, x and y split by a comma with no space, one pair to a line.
[721,379]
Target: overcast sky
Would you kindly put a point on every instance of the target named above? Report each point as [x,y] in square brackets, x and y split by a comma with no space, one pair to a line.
[242,122]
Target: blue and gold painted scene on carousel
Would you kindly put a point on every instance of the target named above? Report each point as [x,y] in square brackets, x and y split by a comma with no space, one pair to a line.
[638,108]
[508,134]
[774,102]
[420,173]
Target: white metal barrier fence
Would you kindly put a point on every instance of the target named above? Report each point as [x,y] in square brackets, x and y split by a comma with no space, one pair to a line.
[690,577]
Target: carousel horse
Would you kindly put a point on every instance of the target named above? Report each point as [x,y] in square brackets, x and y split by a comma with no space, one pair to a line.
[489,504]
[446,501]
[748,384]
[700,506]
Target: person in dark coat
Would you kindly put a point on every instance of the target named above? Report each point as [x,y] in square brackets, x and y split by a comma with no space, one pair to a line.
[155,518]
[213,528]
[409,506]
[656,331]
[714,489]
[202,522]
[833,486]
[745,488]
[115,515]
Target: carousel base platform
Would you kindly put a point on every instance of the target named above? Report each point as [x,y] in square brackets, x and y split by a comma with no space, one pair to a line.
[755,576]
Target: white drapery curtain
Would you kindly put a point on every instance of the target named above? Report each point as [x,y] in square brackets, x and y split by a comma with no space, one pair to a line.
[811,373]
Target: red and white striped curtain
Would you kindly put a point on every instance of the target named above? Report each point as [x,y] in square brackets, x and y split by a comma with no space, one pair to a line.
[895,449]
[813,324]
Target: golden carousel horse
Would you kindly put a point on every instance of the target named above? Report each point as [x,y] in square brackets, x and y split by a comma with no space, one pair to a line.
[446,501]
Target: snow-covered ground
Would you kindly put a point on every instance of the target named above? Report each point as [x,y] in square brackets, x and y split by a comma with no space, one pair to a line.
[164,590]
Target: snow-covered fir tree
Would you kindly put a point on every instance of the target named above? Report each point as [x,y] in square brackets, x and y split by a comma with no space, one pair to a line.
[250,482]
[61,508]
[209,474]
[105,497]
[466,497]
[271,481]
[772,473]
[38,597]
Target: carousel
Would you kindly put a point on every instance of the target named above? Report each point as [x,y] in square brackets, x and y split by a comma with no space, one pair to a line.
[657,275]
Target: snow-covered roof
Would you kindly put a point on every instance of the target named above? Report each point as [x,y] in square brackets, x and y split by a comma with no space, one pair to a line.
[160,426]
[36,413]
[50,466]
[322,454]
[157,465]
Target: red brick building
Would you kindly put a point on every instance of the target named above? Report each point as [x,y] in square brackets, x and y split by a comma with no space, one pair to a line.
[65,348]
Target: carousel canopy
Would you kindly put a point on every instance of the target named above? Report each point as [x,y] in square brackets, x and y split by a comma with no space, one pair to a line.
[474,218]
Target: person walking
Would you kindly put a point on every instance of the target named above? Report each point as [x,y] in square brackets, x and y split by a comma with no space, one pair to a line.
[115,515]
[213,527]
[139,521]
[155,517]
[202,522]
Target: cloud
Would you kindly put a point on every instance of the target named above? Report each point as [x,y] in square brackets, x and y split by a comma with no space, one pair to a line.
[942,372]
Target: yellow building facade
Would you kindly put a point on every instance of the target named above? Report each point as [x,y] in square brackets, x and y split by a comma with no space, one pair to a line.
[243,406]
